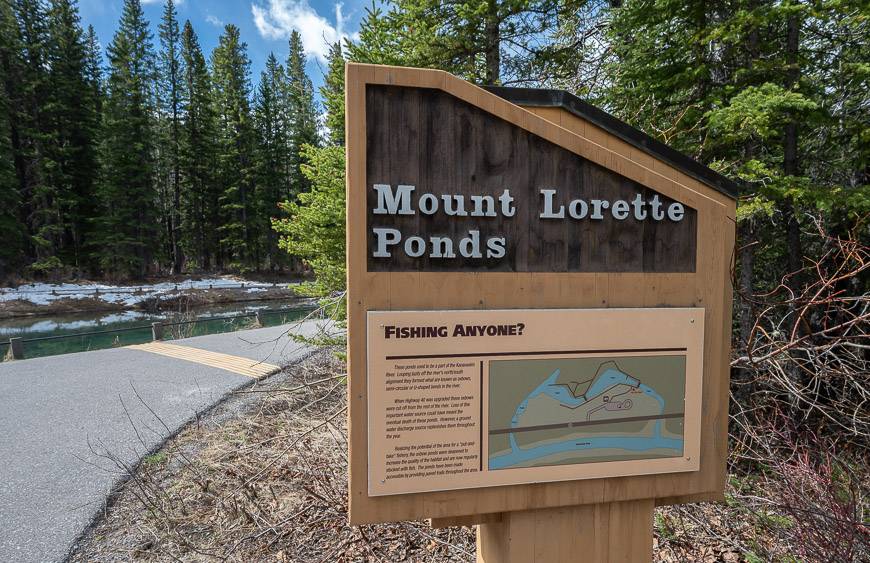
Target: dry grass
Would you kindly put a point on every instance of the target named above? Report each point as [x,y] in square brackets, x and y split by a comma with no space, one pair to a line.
[264,479]
[269,485]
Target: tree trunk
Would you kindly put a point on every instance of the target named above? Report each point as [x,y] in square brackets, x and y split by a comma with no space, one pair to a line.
[176,193]
[790,144]
[493,44]
[746,236]
[794,251]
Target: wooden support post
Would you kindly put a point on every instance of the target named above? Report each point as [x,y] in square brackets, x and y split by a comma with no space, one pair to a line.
[16,345]
[596,533]
[156,331]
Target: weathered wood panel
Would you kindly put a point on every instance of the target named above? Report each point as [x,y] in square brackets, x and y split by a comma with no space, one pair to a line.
[442,145]
[619,531]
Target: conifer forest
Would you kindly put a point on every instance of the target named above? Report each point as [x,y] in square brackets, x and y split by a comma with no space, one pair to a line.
[154,158]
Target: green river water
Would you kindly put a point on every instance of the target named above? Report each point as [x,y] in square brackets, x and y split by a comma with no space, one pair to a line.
[63,334]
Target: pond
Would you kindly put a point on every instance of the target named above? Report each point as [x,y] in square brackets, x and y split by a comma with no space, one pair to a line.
[63,334]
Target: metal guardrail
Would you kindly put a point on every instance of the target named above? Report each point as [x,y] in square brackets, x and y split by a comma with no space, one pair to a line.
[16,344]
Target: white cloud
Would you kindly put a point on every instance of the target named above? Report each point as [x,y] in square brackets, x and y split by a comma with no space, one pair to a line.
[214,20]
[279,18]
[177,2]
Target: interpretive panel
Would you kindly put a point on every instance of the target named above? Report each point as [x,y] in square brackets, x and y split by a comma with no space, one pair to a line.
[465,399]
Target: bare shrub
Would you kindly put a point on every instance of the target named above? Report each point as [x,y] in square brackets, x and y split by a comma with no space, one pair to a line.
[820,495]
[807,353]
[803,373]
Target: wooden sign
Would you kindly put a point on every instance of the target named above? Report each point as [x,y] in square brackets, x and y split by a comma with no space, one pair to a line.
[539,313]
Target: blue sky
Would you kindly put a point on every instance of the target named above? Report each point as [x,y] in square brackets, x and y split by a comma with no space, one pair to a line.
[265,25]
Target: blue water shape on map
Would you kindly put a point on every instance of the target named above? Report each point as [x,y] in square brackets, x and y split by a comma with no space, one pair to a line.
[604,381]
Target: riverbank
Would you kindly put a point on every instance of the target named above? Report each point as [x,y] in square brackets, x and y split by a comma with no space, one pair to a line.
[178,294]
[48,335]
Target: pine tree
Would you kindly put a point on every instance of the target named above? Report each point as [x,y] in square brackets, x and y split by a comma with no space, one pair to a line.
[126,237]
[28,99]
[197,156]
[485,41]
[378,43]
[73,122]
[273,152]
[666,55]
[12,228]
[302,115]
[94,67]
[332,93]
[757,89]
[170,106]
[313,226]
[231,72]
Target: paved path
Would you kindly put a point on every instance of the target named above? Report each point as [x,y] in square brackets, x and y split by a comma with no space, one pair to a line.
[57,414]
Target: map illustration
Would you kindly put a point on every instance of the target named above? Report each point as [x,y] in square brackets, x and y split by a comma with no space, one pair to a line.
[581,410]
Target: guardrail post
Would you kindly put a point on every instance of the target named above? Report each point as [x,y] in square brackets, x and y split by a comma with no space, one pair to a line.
[17,348]
[157,331]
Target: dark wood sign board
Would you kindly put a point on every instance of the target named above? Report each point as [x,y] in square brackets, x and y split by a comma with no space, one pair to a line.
[427,137]
[444,136]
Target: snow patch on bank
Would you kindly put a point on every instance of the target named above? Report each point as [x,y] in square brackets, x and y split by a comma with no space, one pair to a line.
[127,295]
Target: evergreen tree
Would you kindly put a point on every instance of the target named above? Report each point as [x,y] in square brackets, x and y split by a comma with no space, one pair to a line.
[315,228]
[757,89]
[94,67]
[332,93]
[126,236]
[273,152]
[302,115]
[231,72]
[29,96]
[72,127]
[170,106]
[378,43]
[12,228]
[197,156]
[484,41]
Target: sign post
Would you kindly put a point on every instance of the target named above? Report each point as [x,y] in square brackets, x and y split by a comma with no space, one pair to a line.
[539,315]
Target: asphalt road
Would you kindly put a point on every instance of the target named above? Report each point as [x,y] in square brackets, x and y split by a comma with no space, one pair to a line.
[61,416]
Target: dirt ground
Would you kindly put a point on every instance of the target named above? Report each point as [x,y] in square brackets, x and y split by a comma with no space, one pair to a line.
[263,478]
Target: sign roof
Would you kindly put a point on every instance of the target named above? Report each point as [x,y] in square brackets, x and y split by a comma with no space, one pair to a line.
[541,97]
